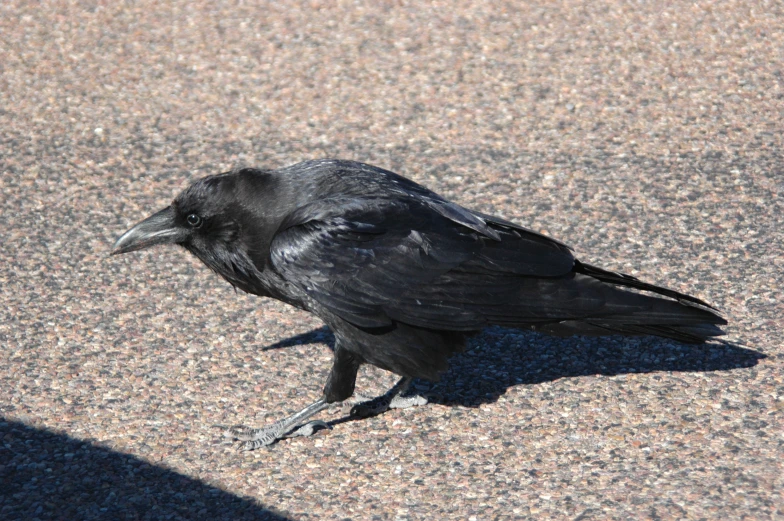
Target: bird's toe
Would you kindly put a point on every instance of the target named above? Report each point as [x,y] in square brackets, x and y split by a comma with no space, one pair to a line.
[252,445]
[404,402]
[240,432]
[371,407]
[308,429]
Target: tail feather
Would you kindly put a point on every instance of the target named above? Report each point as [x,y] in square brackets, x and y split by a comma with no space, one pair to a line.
[621,279]
[685,334]
[686,319]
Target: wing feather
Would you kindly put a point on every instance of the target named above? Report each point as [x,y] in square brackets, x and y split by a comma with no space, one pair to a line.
[374,260]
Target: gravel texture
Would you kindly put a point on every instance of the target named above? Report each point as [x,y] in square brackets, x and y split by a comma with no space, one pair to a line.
[647,135]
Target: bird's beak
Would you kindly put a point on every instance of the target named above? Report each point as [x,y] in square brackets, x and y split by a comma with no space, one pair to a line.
[159,228]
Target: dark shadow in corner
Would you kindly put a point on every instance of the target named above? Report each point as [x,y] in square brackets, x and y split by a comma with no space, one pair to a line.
[44,475]
[500,358]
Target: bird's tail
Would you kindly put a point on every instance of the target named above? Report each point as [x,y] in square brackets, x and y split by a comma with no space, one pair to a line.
[685,319]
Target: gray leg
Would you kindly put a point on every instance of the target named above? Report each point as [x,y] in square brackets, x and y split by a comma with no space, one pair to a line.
[392,399]
[285,428]
[340,385]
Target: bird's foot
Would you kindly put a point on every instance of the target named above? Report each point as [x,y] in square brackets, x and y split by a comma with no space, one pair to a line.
[286,428]
[385,402]
[404,402]
[255,438]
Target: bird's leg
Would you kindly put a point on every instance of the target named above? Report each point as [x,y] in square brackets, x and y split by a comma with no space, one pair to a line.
[340,385]
[392,399]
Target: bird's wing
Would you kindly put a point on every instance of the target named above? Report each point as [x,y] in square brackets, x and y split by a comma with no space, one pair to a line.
[376,260]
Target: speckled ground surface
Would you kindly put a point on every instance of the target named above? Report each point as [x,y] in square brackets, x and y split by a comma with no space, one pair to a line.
[648,137]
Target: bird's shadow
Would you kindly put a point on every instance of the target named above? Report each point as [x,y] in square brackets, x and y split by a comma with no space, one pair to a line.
[500,358]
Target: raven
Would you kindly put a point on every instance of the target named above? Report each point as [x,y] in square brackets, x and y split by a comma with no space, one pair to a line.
[400,275]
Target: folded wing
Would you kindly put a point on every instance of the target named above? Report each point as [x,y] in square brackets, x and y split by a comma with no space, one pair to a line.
[372,261]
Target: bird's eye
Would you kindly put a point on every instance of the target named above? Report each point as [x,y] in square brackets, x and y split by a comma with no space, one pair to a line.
[194,220]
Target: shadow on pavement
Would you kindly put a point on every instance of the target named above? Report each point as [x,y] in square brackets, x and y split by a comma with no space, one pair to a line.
[315,336]
[500,358]
[44,475]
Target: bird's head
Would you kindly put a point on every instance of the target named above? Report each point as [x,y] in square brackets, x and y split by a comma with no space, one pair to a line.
[225,220]
[216,219]
[200,218]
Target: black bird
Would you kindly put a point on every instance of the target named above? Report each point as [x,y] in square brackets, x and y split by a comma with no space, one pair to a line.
[400,275]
